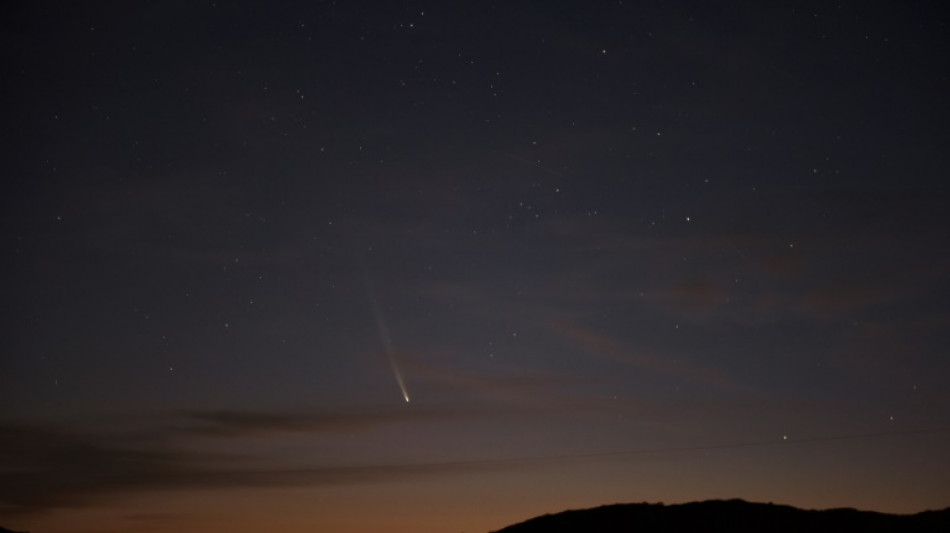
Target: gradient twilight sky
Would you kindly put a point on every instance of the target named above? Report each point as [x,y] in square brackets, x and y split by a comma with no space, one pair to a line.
[614,251]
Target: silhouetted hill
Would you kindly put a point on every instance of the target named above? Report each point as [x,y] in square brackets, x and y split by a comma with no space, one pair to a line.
[5,530]
[732,516]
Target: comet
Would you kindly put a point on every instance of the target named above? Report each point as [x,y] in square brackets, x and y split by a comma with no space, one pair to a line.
[383,331]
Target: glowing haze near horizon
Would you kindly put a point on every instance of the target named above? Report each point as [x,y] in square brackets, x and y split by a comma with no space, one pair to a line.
[612,251]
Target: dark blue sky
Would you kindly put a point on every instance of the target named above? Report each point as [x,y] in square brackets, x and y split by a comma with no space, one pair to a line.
[619,251]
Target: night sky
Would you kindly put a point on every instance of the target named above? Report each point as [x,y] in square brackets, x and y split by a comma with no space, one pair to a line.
[428,267]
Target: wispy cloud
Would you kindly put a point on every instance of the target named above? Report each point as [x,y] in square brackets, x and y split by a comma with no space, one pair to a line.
[244,423]
[46,468]
[598,344]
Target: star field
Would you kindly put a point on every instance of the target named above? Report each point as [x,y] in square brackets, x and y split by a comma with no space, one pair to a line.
[623,251]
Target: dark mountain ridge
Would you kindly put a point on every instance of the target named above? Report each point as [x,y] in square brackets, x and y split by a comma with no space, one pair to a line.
[733,516]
